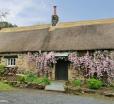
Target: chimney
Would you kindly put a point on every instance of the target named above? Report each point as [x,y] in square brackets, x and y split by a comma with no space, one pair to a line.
[55,17]
[55,10]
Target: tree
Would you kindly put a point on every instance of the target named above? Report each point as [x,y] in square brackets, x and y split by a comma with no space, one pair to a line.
[3,23]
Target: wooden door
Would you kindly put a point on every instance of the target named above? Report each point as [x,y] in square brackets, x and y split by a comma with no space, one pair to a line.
[61,70]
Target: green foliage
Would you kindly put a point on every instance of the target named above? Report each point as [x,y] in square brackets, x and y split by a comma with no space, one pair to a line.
[41,81]
[94,83]
[4,86]
[31,78]
[2,66]
[2,69]
[77,82]
[6,25]
[21,78]
[44,81]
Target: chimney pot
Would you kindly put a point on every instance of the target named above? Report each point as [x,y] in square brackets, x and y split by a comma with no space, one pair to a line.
[55,10]
[55,17]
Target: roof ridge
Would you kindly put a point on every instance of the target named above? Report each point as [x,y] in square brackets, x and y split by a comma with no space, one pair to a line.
[25,28]
[59,25]
[85,22]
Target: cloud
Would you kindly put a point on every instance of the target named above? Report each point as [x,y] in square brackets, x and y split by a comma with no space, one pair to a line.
[27,12]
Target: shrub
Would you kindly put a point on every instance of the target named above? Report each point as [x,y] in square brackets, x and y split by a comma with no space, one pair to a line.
[77,82]
[94,83]
[2,69]
[21,78]
[30,77]
[45,81]
[42,81]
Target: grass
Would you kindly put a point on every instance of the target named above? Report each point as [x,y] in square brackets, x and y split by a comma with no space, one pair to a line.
[4,86]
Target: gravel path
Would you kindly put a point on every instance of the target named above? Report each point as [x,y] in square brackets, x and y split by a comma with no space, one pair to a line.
[43,97]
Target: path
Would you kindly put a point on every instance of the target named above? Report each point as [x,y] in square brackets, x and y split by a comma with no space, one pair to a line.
[43,97]
[56,86]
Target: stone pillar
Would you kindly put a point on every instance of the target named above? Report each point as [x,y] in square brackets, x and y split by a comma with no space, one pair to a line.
[70,74]
[53,73]
[112,54]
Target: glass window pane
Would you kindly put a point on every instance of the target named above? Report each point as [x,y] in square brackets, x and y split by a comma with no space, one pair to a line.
[11,61]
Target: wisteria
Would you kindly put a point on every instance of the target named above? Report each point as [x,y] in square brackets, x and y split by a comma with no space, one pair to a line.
[98,65]
[43,62]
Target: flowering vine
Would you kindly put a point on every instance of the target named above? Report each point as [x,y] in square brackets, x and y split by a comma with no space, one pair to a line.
[98,65]
[43,62]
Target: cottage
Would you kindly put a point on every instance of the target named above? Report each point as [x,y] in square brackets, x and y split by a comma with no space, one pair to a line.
[61,38]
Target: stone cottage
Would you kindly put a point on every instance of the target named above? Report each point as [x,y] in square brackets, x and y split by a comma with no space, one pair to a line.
[61,38]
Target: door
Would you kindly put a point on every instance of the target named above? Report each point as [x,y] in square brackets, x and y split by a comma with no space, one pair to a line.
[61,70]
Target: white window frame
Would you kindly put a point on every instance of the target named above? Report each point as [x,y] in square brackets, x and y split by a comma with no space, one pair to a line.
[11,61]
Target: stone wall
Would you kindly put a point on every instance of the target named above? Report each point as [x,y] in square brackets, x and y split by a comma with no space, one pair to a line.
[3,61]
[112,54]
[70,73]
[21,62]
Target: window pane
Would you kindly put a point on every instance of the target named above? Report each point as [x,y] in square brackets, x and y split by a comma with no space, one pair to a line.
[8,61]
[14,61]
[11,61]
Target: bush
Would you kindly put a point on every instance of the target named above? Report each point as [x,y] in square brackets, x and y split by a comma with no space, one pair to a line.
[2,69]
[77,82]
[41,81]
[45,81]
[30,77]
[94,83]
[21,78]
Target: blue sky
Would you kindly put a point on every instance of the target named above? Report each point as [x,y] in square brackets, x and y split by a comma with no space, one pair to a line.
[32,12]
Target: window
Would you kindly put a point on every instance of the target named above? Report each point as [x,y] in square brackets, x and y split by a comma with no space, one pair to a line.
[0,60]
[11,61]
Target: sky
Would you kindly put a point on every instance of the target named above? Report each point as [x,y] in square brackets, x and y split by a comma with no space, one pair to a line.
[33,12]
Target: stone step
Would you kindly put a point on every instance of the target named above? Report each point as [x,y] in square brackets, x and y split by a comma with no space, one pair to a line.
[55,86]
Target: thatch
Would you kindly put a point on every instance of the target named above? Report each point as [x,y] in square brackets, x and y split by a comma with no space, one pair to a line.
[65,36]
[25,28]
[22,41]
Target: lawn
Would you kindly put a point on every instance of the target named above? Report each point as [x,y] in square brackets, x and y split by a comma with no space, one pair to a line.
[4,86]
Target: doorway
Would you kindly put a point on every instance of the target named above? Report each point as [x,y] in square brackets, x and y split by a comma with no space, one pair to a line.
[61,70]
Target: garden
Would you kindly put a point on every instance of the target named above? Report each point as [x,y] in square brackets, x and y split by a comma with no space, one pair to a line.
[93,73]
[10,80]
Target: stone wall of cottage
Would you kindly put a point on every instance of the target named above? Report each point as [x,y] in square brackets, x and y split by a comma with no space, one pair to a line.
[3,61]
[112,54]
[21,63]
[74,74]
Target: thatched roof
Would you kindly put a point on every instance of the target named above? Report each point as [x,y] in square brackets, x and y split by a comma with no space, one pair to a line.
[85,35]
